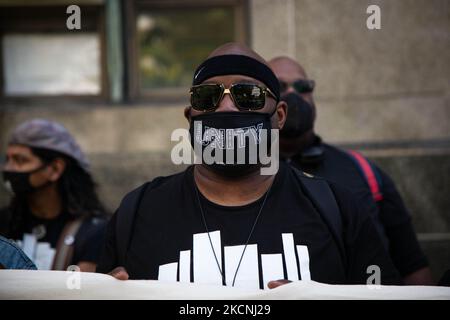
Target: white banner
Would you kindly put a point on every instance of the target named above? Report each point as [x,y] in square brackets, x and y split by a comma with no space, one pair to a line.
[21,284]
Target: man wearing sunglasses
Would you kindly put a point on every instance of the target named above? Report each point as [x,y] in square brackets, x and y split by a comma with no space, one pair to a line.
[226,223]
[301,147]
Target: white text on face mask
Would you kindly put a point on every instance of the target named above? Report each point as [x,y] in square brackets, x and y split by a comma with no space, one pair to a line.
[233,141]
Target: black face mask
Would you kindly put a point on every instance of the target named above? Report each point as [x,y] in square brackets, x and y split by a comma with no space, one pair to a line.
[300,116]
[19,182]
[235,136]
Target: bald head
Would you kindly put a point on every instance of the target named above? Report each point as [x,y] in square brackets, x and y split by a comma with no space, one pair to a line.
[234,63]
[237,48]
[237,59]
[287,69]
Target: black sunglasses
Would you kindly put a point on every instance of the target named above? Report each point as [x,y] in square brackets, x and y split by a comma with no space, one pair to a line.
[246,96]
[300,85]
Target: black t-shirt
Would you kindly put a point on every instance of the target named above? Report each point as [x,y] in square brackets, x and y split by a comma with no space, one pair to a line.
[87,243]
[290,241]
[390,214]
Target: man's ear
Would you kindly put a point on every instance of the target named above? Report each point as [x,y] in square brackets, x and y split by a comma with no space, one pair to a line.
[187,113]
[57,168]
[281,113]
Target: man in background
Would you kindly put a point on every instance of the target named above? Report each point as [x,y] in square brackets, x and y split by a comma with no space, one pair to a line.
[304,149]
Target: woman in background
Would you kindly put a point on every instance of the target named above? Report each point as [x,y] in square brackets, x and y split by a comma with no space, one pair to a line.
[55,214]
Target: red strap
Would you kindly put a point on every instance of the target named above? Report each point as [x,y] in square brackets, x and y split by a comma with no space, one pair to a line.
[370,175]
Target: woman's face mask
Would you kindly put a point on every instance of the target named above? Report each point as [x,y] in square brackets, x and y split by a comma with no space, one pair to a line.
[19,182]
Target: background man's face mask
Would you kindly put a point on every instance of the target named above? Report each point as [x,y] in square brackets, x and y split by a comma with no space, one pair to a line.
[230,142]
[300,116]
[19,182]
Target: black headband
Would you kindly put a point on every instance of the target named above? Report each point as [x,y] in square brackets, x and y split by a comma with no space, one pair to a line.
[237,64]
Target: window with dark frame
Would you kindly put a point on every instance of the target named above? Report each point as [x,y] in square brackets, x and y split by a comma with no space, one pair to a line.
[163,41]
[40,57]
[171,38]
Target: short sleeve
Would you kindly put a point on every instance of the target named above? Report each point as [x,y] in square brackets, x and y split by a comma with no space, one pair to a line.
[404,246]
[89,240]
[108,255]
[364,246]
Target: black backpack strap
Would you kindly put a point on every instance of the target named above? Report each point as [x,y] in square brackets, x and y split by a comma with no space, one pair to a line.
[124,221]
[322,197]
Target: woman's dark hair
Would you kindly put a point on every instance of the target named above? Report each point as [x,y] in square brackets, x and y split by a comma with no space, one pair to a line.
[76,188]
